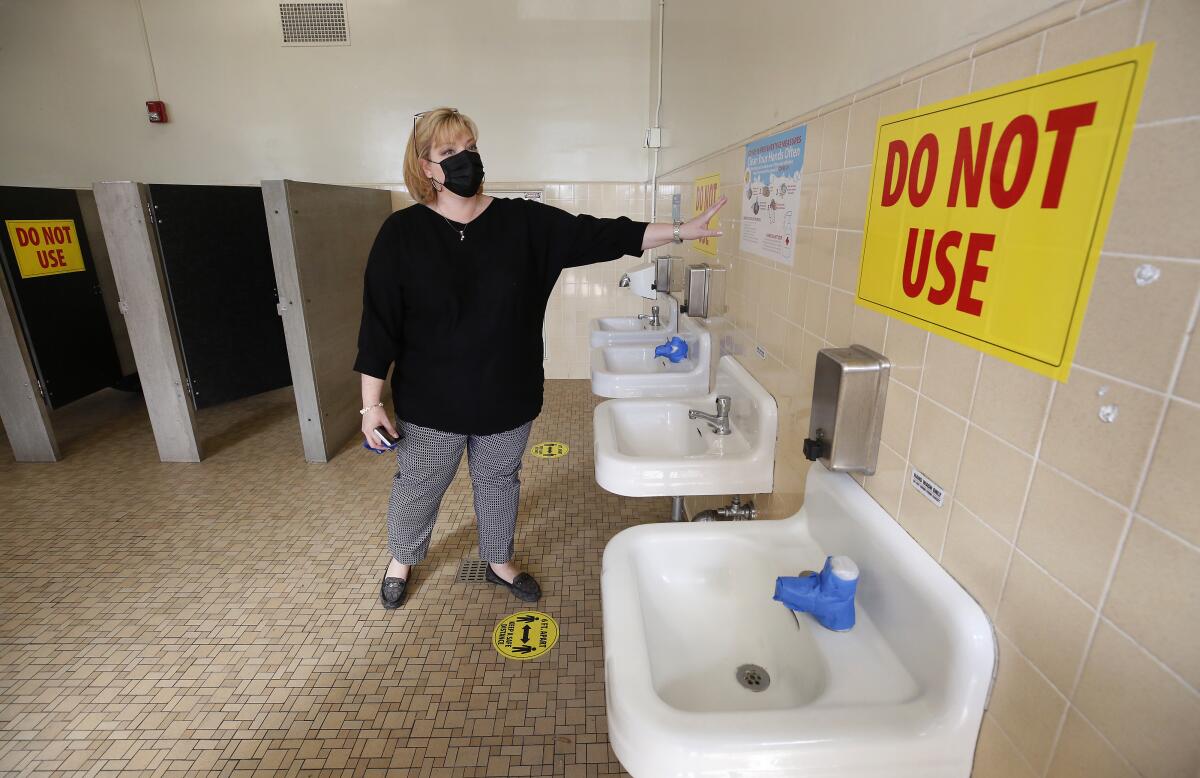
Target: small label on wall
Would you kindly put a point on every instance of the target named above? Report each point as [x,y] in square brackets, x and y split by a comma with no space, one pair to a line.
[928,488]
[762,352]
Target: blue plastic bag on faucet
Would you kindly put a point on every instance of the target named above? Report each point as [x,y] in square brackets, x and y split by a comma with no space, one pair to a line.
[828,595]
[674,349]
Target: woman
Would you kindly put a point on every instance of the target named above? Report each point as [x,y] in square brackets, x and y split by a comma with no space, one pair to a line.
[455,291]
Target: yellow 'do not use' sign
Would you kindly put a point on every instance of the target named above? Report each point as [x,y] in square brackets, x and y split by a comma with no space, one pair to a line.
[45,247]
[987,212]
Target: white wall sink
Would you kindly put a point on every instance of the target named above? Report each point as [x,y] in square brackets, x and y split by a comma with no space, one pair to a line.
[618,330]
[900,695]
[632,370]
[650,448]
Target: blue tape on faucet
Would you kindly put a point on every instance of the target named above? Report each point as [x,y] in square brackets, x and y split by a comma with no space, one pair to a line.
[674,349]
[828,595]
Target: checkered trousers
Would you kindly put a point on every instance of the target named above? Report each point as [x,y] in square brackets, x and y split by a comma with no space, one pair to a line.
[426,462]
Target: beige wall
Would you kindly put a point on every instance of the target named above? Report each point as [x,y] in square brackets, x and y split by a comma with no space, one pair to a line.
[1080,538]
[75,75]
[582,293]
[763,61]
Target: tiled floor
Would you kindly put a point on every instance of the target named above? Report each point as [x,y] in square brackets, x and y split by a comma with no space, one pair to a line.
[223,617]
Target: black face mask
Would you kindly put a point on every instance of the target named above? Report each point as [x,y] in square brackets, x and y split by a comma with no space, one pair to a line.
[464,172]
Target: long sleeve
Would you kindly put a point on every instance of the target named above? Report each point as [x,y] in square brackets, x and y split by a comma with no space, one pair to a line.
[380,330]
[573,240]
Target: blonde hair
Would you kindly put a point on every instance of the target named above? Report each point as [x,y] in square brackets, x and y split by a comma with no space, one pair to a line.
[436,126]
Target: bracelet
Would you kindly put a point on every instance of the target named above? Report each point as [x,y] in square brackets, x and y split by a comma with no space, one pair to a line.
[363,412]
[675,236]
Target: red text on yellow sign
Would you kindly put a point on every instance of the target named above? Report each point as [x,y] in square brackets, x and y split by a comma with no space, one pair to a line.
[45,247]
[987,212]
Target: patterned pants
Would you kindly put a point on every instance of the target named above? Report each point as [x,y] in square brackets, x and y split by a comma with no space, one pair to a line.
[426,462]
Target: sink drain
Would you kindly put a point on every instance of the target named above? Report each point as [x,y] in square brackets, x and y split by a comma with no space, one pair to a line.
[754,678]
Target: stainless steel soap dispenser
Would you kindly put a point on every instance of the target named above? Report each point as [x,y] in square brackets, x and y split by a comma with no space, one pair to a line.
[849,389]
[705,291]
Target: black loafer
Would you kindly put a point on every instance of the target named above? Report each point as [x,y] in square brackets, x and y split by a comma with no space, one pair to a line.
[391,592]
[524,586]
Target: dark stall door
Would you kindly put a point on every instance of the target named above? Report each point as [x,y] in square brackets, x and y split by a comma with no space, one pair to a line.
[48,266]
[217,259]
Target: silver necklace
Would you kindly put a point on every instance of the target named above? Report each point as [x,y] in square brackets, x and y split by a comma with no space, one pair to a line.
[462,234]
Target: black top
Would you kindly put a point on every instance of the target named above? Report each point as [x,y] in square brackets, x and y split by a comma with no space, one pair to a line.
[462,319]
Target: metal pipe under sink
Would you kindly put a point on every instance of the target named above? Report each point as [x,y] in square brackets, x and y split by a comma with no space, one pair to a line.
[735,511]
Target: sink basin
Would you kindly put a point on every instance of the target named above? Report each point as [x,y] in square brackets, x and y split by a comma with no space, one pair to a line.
[621,330]
[685,606]
[649,447]
[623,324]
[632,370]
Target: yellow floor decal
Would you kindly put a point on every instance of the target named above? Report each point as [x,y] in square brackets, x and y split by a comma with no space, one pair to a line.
[550,450]
[525,635]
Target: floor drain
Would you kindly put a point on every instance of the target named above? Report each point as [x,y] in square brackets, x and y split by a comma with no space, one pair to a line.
[471,571]
[754,678]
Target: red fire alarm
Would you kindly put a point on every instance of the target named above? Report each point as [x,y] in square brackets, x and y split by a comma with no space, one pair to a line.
[157,111]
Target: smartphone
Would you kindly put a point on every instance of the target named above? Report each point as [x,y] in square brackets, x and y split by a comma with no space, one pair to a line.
[387,439]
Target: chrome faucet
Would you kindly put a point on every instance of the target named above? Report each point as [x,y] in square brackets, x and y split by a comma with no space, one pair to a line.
[654,322]
[720,422]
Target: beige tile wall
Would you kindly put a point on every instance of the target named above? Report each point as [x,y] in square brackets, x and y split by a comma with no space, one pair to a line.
[1079,537]
[582,293]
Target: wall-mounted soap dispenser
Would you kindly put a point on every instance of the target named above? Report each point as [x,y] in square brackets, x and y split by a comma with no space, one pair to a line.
[849,390]
[668,275]
[705,291]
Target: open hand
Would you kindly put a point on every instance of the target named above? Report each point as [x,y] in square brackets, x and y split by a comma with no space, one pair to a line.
[698,227]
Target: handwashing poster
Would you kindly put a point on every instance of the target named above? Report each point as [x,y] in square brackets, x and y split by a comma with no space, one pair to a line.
[708,191]
[771,198]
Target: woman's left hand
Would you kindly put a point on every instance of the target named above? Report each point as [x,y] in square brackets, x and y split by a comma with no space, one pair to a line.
[698,227]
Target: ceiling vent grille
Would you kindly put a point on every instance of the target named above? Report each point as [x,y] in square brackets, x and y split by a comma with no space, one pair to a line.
[314,24]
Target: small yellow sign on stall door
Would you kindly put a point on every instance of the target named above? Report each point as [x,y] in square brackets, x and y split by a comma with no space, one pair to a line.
[987,212]
[45,247]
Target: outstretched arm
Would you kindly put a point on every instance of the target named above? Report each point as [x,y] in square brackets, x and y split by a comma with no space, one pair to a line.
[568,240]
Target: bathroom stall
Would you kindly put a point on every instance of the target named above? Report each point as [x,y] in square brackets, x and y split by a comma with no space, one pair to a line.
[321,235]
[56,293]
[216,258]
[63,338]
[193,266]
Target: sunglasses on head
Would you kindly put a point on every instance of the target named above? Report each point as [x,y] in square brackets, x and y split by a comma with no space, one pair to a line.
[417,116]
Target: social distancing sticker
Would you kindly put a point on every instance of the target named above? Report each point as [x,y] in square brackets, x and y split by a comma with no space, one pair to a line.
[550,450]
[525,635]
[45,247]
[987,212]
